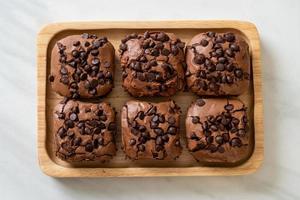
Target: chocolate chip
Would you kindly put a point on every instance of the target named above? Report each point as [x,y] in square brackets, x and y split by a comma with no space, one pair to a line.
[199,59]
[161,119]
[234,47]
[62,132]
[177,143]
[152,110]
[195,119]
[213,128]
[181,45]
[165,52]
[213,148]
[238,73]
[210,34]
[194,137]
[165,138]
[95,52]
[209,139]
[141,147]
[219,39]
[76,43]
[171,120]
[158,131]
[236,142]
[89,147]
[162,37]
[226,137]
[229,52]
[101,141]
[200,102]
[69,123]
[220,67]
[174,50]
[229,79]
[219,52]
[123,47]
[95,61]
[73,116]
[63,71]
[132,142]
[171,130]
[229,37]
[75,53]
[228,107]
[219,139]
[204,42]
[241,132]
[94,83]
[221,149]
[77,141]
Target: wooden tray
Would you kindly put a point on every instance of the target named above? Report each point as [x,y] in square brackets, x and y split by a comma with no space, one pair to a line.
[119,166]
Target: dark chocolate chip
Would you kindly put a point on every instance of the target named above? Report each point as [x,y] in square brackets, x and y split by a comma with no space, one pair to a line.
[236,142]
[62,132]
[77,141]
[238,73]
[200,102]
[204,42]
[226,137]
[219,139]
[229,52]
[165,52]
[195,119]
[123,47]
[241,132]
[132,142]
[209,139]
[95,61]
[228,107]
[63,71]
[158,131]
[141,147]
[171,120]
[229,37]
[75,53]
[234,47]
[73,116]
[194,137]
[172,130]
[199,59]
[51,78]
[210,34]
[220,67]
[221,149]
[89,147]
[174,50]
[69,123]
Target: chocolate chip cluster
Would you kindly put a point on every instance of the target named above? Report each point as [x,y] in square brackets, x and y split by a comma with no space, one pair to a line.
[152,64]
[219,130]
[79,69]
[153,132]
[85,131]
[218,64]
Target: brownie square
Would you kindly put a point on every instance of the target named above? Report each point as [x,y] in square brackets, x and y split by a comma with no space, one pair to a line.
[84,131]
[151,130]
[218,64]
[152,64]
[217,131]
[82,66]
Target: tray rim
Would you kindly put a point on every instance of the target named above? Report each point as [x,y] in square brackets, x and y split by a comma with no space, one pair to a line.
[50,168]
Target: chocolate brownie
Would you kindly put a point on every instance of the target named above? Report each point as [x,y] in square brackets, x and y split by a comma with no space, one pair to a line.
[151,130]
[152,64]
[82,66]
[217,131]
[218,64]
[84,131]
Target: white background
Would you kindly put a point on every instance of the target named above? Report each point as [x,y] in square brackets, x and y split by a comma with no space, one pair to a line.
[278,23]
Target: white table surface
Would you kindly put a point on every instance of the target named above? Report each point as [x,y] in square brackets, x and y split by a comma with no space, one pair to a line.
[279,25]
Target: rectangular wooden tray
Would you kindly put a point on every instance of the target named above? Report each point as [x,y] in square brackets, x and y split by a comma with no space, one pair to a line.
[119,166]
